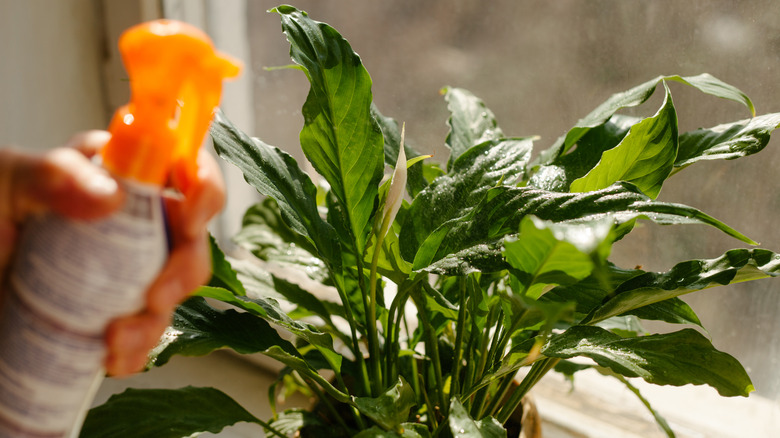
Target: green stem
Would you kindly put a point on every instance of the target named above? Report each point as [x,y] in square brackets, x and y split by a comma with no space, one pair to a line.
[469,372]
[431,410]
[371,321]
[432,345]
[329,406]
[393,348]
[459,329]
[364,381]
[268,427]
[483,344]
[538,370]
[498,397]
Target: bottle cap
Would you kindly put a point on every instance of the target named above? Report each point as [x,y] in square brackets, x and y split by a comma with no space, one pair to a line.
[175,85]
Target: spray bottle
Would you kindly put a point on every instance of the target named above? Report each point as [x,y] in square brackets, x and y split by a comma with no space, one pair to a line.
[71,278]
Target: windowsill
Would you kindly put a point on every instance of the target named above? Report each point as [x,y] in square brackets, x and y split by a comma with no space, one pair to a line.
[600,406]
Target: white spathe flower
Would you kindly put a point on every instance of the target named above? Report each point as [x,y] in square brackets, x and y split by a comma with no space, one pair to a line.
[395,195]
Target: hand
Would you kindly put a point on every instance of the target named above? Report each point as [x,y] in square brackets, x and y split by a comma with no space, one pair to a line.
[65,181]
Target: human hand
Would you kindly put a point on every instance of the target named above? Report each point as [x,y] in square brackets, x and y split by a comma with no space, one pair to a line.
[65,181]
[129,339]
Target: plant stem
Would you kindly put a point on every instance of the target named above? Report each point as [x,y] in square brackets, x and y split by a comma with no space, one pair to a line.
[371,320]
[459,329]
[483,344]
[498,397]
[364,381]
[538,370]
[329,406]
[268,427]
[433,346]
[431,411]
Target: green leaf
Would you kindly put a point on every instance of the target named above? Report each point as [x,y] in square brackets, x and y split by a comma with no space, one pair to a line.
[264,233]
[734,266]
[274,173]
[470,122]
[462,425]
[591,292]
[391,408]
[680,358]
[558,175]
[198,329]
[501,210]
[546,254]
[726,142]
[293,420]
[673,310]
[450,196]
[645,157]
[390,263]
[269,309]
[415,181]
[222,272]
[705,83]
[340,137]
[300,365]
[164,413]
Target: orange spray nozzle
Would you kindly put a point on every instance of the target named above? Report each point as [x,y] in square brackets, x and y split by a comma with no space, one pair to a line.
[175,85]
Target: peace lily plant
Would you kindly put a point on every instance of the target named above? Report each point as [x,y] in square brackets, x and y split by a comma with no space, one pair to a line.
[451,279]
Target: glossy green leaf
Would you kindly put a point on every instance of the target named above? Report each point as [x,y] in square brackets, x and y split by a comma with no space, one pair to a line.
[270,310]
[501,210]
[705,83]
[222,272]
[734,266]
[591,292]
[462,425]
[164,413]
[392,141]
[470,122]
[198,329]
[645,157]
[727,141]
[676,359]
[293,420]
[391,408]
[558,175]
[340,137]
[672,310]
[545,253]
[275,173]
[264,233]
[452,195]
[300,365]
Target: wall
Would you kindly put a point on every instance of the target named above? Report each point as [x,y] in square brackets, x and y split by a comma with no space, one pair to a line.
[50,74]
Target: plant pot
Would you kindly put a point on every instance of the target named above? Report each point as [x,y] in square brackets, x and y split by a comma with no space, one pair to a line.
[525,422]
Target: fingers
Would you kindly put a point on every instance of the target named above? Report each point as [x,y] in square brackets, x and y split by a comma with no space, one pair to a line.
[62,180]
[89,142]
[189,264]
[188,267]
[129,340]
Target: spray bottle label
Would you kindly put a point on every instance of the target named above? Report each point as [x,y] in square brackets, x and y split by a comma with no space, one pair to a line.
[69,281]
